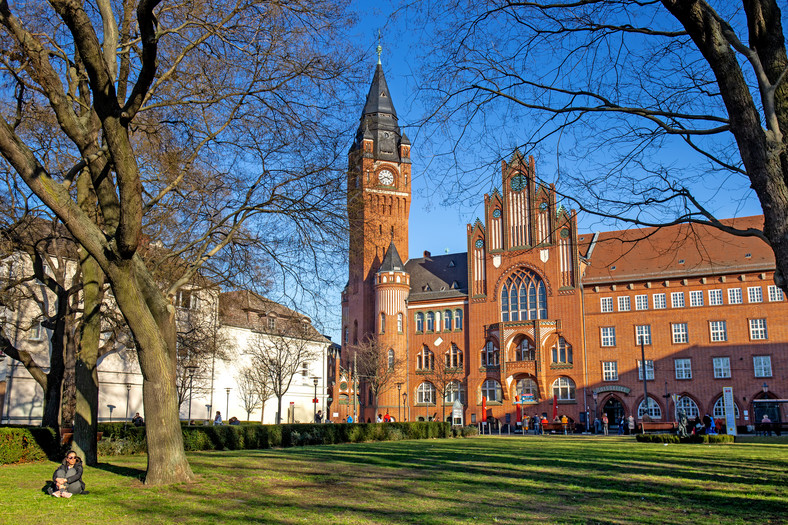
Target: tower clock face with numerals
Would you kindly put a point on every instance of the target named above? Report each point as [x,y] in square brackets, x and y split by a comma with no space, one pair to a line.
[386,177]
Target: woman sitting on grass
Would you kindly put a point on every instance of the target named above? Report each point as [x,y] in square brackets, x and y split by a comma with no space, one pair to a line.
[68,477]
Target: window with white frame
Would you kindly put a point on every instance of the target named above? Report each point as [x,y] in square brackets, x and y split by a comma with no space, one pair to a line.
[391,358]
[419,322]
[715,297]
[399,322]
[649,370]
[564,389]
[36,332]
[606,304]
[272,323]
[683,368]
[696,298]
[677,300]
[719,331]
[660,301]
[762,364]
[610,370]
[758,329]
[624,304]
[453,393]
[734,296]
[643,334]
[719,409]
[688,406]
[425,394]
[608,335]
[641,302]
[527,387]
[188,299]
[304,369]
[430,321]
[454,357]
[775,294]
[425,360]
[654,411]
[491,389]
[447,318]
[562,352]
[722,367]
[680,334]
[490,354]
[755,294]
[382,323]
[458,319]
[526,351]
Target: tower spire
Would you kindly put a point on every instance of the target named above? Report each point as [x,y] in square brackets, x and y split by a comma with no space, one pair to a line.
[380,47]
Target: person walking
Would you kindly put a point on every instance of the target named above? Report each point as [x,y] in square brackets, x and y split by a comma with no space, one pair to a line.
[605,423]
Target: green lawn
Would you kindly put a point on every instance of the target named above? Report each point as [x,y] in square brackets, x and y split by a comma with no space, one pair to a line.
[481,480]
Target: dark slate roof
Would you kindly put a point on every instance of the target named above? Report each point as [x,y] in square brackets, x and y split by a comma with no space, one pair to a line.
[392,262]
[379,97]
[432,277]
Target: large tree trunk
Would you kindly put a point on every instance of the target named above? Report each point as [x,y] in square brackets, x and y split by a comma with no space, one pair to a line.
[86,421]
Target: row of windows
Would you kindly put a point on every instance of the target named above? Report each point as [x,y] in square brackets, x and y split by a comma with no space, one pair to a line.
[761,364]
[563,389]
[439,321]
[561,353]
[685,403]
[425,359]
[718,332]
[696,298]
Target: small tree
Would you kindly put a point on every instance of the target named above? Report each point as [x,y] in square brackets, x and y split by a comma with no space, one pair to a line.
[254,390]
[376,367]
[448,374]
[279,355]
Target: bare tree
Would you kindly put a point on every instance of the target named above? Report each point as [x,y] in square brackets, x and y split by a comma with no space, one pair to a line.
[448,377]
[201,126]
[281,354]
[375,368]
[254,390]
[657,112]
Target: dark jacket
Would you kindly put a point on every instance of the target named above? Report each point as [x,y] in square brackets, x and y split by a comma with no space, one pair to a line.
[76,473]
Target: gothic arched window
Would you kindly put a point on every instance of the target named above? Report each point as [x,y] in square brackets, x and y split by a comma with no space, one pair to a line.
[425,360]
[490,356]
[430,321]
[562,352]
[523,297]
[419,322]
[526,351]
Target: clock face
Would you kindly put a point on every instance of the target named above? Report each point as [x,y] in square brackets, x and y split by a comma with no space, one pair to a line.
[518,183]
[386,178]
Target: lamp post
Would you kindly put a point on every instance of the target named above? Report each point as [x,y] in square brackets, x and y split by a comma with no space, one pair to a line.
[128,394]
[208,408]
[667,399]
[405,403]
[314,401]
[227,406]
[645,374]
[399,398]
[765,388]
[595,395]
[191,369]
[111,408]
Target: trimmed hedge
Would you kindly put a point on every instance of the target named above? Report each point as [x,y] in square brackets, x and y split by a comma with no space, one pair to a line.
[697,439]
[32,443]
[23,444]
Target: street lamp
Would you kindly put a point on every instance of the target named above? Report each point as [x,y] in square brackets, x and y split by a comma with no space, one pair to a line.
[405,403]
[643,367]
[111,408]
[128,394]
[208,408]
[315,379]
[595,395]
[399,411]
[191,369]
[227,407]
[765,389]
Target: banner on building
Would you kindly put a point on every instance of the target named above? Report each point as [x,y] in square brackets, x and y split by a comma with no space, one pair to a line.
[730,410]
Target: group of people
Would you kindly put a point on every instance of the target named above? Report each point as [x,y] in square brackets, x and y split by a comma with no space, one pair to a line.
[217,421]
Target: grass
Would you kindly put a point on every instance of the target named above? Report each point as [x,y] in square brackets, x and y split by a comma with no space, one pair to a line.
[482,480]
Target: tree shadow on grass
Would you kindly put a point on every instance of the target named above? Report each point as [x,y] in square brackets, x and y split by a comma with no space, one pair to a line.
[129,472]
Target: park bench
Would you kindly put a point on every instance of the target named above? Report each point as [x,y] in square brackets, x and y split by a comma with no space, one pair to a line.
[67,436]
[656,426]
[558,427]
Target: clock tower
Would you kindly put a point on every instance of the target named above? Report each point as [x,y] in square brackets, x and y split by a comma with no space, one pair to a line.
[378,203]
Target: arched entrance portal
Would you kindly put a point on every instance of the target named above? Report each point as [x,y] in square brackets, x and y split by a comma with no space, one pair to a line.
[614,409]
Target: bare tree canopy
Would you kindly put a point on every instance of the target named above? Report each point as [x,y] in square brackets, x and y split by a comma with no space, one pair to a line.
[376,367]
[203,127]
[656,112]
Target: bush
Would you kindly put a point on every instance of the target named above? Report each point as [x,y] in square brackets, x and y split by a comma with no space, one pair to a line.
[22,444]
[672,438]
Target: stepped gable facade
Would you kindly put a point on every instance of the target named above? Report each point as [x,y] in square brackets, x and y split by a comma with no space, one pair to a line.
[536,317]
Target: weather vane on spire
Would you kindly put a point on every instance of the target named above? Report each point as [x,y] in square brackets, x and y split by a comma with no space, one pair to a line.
[380,47]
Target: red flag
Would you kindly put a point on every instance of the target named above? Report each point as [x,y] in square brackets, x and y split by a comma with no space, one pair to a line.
[518,406]
[555,407]
[484,409]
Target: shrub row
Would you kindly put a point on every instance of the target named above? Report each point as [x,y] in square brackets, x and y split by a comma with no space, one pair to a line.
[35,443]
[22,444]
[671,438]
